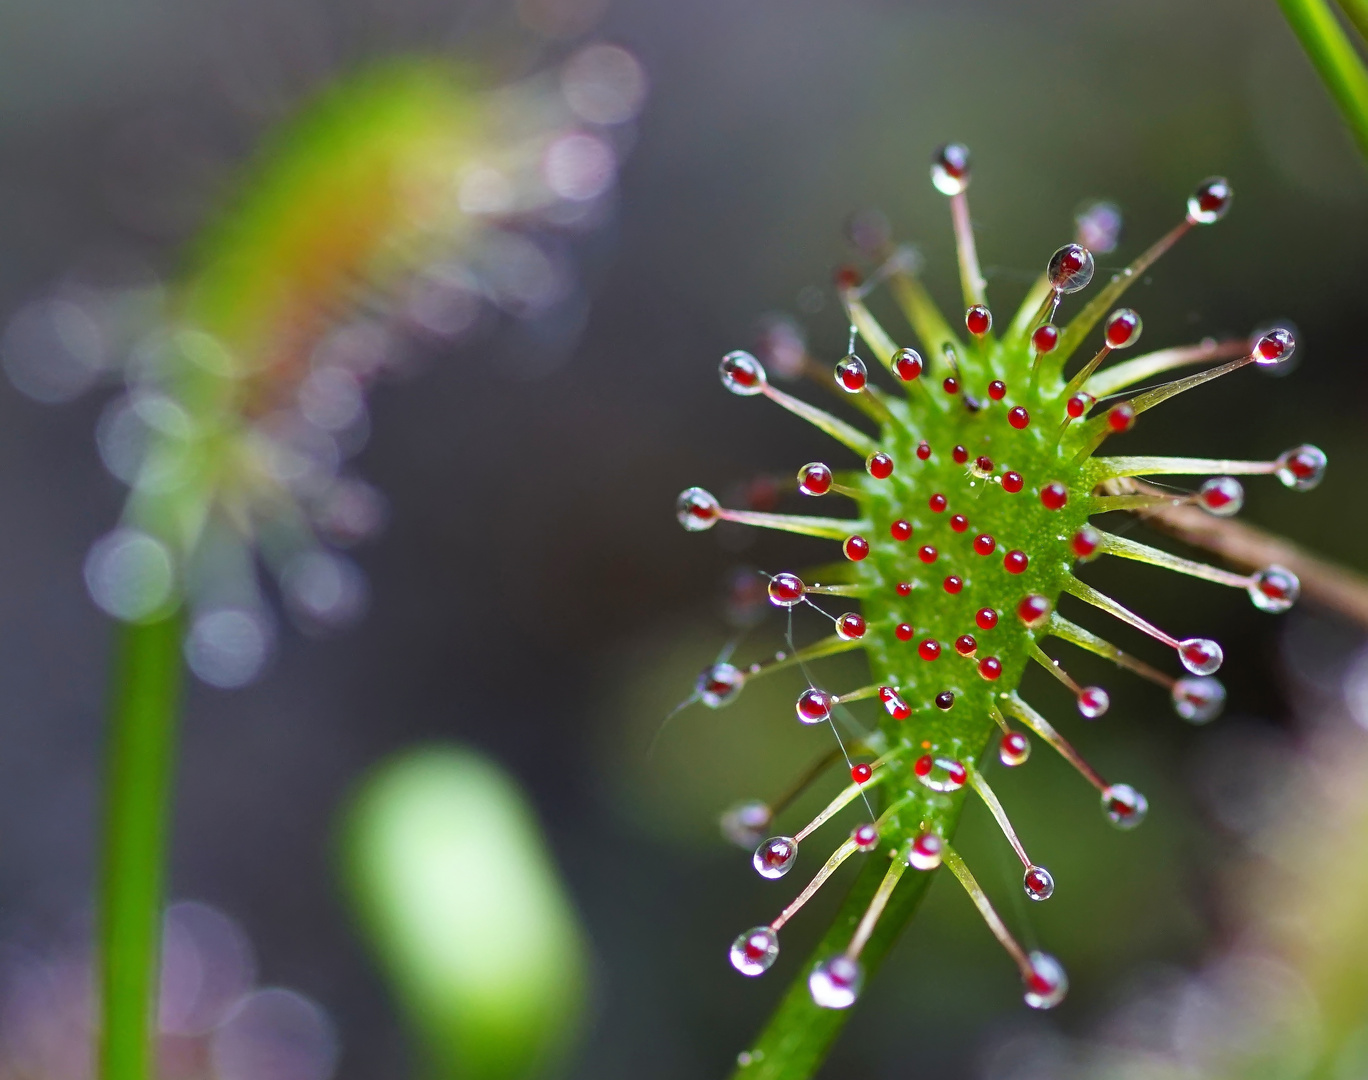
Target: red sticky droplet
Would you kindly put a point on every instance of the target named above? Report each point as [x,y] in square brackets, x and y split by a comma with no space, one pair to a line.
[1015,562]
[861,773]
[978,319]
[937,502]
[922,766]
[851,626]
[814,705]
[953,584]
[814,479]
[903,631]
[903,588]
[984,544]
[1012,482]
[929,649]
[856,548]
[959,522]
[986,618]
[960,454]
[786,589]
[945,700]
[983,463]
[1121,417]
[1123,327]
[990,667]
[900,530]
[1085,541]
[1079,404]
[847,277]
[1032,609]
[897,708]
[1018,417]
[923,450]
[1054,495]
[880,465]
[1014,749]
[851,374]
[997,389]
[951,385]
[1045,338]
[927,554]
[965,644]
[907,365]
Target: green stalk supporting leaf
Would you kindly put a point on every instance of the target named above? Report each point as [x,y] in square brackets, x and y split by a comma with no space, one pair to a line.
[1336,59]
[141,741]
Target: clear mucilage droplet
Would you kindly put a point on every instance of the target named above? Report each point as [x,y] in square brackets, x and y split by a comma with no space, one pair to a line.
[1070,268]
[1014,749]
[775,857]
[851,374]
[1201,656]
[814,478]
[1124,806]
[814,706]
[940,773]
[786,590]
[718,685]
[1274,589]
[866,836]
[1274,347]
[1222,496]
[1302,467]
[1198,699]
[755,950]
[1038,883]
[1210,202]
[1093,702]
[742,373]
[1123,328]
[1047,983]
[746,824]
[697,509]
[835,983]
[925,851]
[950,169]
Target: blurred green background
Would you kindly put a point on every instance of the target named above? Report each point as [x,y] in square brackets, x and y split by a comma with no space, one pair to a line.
[533,595]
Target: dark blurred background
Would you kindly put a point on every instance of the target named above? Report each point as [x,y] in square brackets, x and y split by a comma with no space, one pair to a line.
[533,595]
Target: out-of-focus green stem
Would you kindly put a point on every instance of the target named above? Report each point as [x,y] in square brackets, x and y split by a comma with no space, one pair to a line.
[798,1036]
[1339,64]
[1357,10]
[141,741]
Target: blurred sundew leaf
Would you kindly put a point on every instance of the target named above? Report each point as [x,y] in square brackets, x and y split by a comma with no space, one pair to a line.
[458,896]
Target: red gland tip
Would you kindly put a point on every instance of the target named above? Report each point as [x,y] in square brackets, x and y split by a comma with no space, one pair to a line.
[1085,542]
[861,773]
[990,667]
[960,454]
[950,385]
[1123,328]
[1033,609]
[851,626]
[953,584]
[846,278]
[785,590]
[929,649]
[937,503]
[1018,417]
[855,548]
[997,389]
[900,530]
[880,465]
[984,544]
[986,618]
[965,645]
[1045,338]
[903,631]
[1012,482]
[851,375]
[923,450]
[1079,404]
[814,478]
[1121,417]
[907,364]
[1054,495]
[945,700]
[1015,562]
[927,554]
[903,588]
[959,522]
[978,320]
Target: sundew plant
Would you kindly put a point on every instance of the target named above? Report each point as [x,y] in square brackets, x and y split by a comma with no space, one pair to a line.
[974,503]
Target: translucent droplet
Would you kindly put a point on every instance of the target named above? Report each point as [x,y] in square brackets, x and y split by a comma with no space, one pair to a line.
[950,169]
[925,851]
[1209,203]
[814,706]
[1201,656]
[866,836]
[814,478]
[775,857]
[745,824]
[1198,699]
[851,626]
[835,983]
[1302,467]
[1038,883]
[851,375]
[978,319]
[718,685]
[1274,347]
[1070,268]
[1222,496]
[228,647]
[785,590]
[1047,984]
[742,373]
[894,704]
[1123,328]
[1099,226]
[1093,702]
[697,509]
[1274,588]
[754,951]
[130,574]
[907,364]
[940,774]
[1014,749]
[1124,806]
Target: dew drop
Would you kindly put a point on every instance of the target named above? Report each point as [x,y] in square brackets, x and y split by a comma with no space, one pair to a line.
[1124,806]
[851,375]
[925,851]
[950,169]
[1047,983]
[754,951]
[851,626]
[866,836]
[1209,203]
[1070,268]
[719,685]
[1045,337]
[879,465]
[1201,656]
[978,320]
[1221,495]
[1123,328]
[1199,699]
[1038,883]
[814,478]
[775,857]
[813,706]
[1014,749]
[835,983]
[1093,702]
[745,824]
[742,373]
[1302,467]
[1274,347]
[907,364]
[697,509]
[940,774]
[786,589]
[1274,589]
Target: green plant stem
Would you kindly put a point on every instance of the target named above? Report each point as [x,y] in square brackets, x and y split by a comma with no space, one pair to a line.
[798,1036]
[1357,13]
[1332,52]
[141,740]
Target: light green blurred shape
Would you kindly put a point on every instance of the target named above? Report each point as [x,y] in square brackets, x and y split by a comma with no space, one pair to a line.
[460,899]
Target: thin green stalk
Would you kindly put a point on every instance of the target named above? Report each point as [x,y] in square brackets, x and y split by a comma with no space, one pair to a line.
[1357,12]
[141,741]
[798,1036]
[1332,52]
